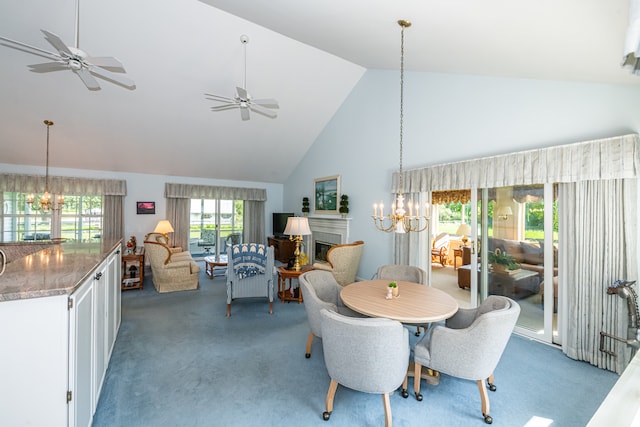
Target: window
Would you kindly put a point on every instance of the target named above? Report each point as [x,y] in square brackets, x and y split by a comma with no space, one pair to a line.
[80,219]
[213,224]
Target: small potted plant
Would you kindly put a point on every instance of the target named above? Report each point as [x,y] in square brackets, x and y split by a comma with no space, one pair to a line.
[393,289]
[501,261]
[305,206]
[344,205]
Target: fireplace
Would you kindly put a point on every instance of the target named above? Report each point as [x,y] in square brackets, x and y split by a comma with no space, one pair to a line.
[325,233]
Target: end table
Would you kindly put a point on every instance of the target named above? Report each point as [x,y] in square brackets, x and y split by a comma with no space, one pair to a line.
[137,258]
[286,293]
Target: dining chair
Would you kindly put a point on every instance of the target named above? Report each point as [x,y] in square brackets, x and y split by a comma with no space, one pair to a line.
[364,354]
[408,273]
[321,291]
[469,346]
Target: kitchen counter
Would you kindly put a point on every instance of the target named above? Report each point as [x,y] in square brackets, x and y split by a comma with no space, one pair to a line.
[44,269]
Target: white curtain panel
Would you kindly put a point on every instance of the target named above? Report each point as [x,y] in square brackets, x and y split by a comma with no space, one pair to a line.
[598,234]
[631,54]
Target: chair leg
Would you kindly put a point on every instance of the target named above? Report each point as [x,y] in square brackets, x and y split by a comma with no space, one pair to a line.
[484,398]
[417,376]
[228,310]
[333,386]
[307,354]
[270,307]
[387,410]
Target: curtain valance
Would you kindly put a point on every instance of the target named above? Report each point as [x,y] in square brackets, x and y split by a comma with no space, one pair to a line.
[63,185]
[610,158]
[191,191]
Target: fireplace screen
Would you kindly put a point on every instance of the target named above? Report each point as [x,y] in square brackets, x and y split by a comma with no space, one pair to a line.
[321,250]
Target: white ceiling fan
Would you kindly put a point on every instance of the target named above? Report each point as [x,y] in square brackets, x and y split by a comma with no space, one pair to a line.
[243,100]
[74,59]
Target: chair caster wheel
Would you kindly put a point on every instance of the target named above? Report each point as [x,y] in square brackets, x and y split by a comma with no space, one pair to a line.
[488,419]
[405,393]
[307,355]
[326,415]
[419,397]
[492,387]
[417,333]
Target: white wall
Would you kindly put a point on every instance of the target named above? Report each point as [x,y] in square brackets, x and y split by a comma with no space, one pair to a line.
[150,188]
[447,118]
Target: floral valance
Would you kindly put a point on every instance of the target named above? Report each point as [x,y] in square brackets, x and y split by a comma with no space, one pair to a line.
[451,196]
[191,191]
[71,186]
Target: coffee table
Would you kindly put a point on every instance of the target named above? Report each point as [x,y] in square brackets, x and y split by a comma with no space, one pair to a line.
[211,263]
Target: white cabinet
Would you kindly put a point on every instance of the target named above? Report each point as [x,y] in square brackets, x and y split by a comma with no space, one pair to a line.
[55,351]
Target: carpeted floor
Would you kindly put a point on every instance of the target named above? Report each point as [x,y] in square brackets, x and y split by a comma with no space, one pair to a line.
[178,361]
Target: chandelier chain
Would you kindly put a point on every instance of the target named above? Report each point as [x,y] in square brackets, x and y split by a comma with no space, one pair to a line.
[401,102]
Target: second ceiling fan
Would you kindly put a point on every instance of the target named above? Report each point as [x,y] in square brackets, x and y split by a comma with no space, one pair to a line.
[243,99]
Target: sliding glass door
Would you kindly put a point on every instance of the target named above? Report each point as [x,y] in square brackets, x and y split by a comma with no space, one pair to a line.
[215,224]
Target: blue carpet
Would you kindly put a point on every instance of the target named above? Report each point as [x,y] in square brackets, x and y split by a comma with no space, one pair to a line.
[178,361]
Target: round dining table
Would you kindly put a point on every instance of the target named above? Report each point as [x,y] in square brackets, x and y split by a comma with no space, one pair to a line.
[415,303]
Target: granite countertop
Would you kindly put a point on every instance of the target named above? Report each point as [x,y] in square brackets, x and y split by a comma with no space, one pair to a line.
[44,269]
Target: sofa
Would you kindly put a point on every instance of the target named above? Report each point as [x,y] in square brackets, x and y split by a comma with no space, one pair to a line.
[172,269]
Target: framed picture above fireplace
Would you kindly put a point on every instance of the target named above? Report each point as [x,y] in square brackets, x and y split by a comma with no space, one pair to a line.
[327,194]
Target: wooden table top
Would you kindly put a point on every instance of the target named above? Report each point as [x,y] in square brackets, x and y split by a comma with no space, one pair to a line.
[415,303]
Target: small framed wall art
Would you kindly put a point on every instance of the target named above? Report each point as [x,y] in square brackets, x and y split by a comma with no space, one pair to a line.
[145,208]
[327,193]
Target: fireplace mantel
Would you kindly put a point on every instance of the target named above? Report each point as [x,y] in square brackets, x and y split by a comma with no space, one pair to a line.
[322,227]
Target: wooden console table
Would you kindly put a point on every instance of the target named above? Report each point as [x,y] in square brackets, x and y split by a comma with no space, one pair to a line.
[136,258]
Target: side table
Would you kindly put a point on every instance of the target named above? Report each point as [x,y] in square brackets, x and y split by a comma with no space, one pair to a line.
[134,258]
[284,293]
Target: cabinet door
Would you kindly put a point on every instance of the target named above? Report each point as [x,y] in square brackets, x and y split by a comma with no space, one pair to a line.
[113,300]
[81,355]
[100,298]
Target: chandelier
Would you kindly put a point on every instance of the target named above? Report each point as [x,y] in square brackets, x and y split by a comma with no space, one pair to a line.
[400,220]
[46,204]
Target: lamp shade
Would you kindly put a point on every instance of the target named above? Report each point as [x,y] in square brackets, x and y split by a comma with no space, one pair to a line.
[297,226]
[464,230]
[164,226]
[504,211]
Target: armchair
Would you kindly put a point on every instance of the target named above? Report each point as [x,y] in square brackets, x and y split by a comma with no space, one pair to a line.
[343,261]
[468,346]
[257,285]
[321,291]
[207,239]
[440,248]
[171,269]
[364,354]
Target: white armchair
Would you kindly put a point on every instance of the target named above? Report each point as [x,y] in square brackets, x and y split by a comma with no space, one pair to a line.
[259,285]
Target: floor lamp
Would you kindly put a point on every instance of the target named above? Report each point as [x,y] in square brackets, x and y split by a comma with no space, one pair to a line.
[296,228]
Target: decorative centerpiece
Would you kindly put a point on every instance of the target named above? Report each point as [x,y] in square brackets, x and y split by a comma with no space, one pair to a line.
[392,290]
[344,205]
[305,206]
[501,261]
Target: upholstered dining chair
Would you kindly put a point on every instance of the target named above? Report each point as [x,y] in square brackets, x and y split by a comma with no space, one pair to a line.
[364,354]
[321,291]
[469,345]
[242,282]
[440,248]
[407,273]
[343,261]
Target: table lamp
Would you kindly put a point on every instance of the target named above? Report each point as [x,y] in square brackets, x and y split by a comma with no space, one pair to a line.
[464,230]
[164,227]
[296,228]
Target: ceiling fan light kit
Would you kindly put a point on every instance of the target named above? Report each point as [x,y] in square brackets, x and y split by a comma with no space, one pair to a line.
[243,99]
[74,59]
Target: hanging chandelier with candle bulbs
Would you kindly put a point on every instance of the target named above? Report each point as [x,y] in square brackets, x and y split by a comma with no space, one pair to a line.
[401,220]
[46,204]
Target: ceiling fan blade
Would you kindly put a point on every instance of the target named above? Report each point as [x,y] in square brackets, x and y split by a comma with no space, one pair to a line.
[244,113]
[31,49]
[263,111]
[108,62]
[113,77]
[268,102]
[219,98]
[224,107]
[89,81]
[47,67]
[57,43]
[242,93]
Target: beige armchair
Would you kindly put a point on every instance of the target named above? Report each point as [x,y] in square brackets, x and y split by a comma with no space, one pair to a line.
[440,248]
[171,269]
[343,261]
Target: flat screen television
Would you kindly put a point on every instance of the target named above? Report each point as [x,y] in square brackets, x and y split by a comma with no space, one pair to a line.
[280,222]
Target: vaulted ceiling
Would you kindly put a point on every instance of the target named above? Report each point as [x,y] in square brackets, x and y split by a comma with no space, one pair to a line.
[307,55]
